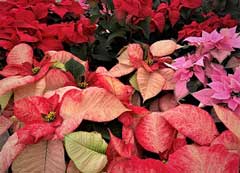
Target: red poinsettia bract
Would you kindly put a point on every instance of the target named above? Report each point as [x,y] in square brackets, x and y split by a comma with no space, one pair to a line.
[22,68]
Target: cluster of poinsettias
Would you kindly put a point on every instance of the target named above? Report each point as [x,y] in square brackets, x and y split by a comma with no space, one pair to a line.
[219,87]
[164,132]
[136,11]
[30,21]
[51,100]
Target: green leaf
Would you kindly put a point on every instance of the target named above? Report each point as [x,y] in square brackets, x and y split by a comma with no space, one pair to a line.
[4,99]
[133,82]
[116,34]
[87,150]
[194,85]
[75,68]
[80,51]
[145,27]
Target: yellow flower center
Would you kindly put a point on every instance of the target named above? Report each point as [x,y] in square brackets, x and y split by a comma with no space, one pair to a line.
[35,70]
[164,161]
[149,61]
[82,85]
[49,117]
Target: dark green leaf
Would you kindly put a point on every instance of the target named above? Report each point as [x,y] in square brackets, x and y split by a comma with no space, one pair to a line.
[80,51]
[194,85]
[75,68]
[120,33]
[145,27]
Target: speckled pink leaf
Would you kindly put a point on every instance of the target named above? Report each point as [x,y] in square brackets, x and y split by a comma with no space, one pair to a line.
[120,147]
[120,70]
[135,54]
[20,53]
[168,75]
[13,82]
[32,89]
[111,84]
[63,57]
[137,165]
[229,140]
[154,133]
[68,125]
[194,159]
[9,152]
[178,142]
[150,84]
[192,122]
[229,119]
[60,91]
[56,78]
[96,104]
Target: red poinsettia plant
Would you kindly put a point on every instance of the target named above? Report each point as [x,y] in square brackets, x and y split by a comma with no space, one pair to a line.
[119,86]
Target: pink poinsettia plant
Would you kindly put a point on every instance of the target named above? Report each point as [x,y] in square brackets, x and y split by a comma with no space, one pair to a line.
[119,87]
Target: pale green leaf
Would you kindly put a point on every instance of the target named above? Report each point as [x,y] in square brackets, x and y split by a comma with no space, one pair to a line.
[87,150]
[59,65]
[133,82]
[4,99]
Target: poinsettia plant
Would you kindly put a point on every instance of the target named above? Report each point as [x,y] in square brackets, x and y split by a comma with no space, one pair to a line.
[119,86]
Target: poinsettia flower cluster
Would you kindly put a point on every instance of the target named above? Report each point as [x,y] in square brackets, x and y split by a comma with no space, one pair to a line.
[164,133]
[50,104]
[101,97]
[170,11]
[210,46]
[22,21]
[45,102]
[212,21]
[222,89]
[132,11]
[152,75]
